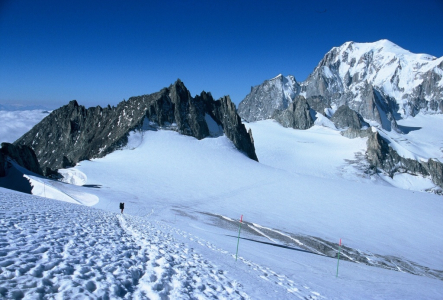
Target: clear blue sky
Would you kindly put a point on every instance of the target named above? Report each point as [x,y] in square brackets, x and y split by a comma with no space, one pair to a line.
[100,52]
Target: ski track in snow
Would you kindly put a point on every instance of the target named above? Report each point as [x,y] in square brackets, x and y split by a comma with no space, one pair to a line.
[56,250]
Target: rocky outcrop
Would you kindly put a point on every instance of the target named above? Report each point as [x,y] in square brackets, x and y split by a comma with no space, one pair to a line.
[319,104]
[225,112]
[382,156]
[73,133]
[352,133]
[297,115]
[22,155]
[344,117]
[352,122]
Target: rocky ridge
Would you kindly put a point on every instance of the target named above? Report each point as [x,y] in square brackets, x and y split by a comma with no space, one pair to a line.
[73,133]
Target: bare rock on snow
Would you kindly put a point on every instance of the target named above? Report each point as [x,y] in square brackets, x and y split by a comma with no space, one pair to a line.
[73,133]
[23,155]
[345,117]
[296,116]
[383,157]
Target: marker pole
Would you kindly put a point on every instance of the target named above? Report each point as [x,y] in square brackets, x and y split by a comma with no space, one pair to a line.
[338,260]
[238,240]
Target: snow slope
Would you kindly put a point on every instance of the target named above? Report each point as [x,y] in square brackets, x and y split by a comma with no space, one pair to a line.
[50,248]
[57,250]
[182,197]
[319,151]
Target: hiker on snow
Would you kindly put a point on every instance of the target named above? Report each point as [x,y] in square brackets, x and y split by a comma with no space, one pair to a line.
[122,206]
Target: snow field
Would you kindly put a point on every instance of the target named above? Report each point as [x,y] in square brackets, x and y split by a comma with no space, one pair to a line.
[319,151]
[210,175]
[59,250]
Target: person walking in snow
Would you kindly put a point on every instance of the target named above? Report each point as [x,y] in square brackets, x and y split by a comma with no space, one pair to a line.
[122,206]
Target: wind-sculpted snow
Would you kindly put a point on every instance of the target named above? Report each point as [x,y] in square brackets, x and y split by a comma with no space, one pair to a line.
[52,249]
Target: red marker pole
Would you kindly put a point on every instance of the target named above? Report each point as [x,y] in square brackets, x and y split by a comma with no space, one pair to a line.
[238,240]
[338,260]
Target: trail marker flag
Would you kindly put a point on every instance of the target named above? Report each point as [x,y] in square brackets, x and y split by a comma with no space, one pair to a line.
[238,239]
[338,259]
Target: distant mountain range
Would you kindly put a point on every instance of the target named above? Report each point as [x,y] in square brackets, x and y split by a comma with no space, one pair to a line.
[355,86]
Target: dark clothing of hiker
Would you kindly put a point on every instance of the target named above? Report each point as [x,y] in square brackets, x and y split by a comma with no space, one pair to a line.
[122,206]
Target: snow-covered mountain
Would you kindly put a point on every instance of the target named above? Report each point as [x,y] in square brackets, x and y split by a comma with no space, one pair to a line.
[379,80]
[380,84]
[398,81]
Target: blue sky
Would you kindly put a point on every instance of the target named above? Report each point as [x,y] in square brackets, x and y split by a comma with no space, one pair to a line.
[101,52]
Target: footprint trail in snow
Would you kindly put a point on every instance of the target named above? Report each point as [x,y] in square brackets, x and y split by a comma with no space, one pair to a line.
[52,249]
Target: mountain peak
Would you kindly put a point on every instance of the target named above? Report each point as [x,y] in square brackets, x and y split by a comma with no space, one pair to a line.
[402,83]
[279,76]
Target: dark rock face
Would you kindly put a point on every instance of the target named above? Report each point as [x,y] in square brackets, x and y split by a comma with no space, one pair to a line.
[22,154]
[382,156]
[319,104]
[296,116]
[73,133]
[225,112]
[345,117]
